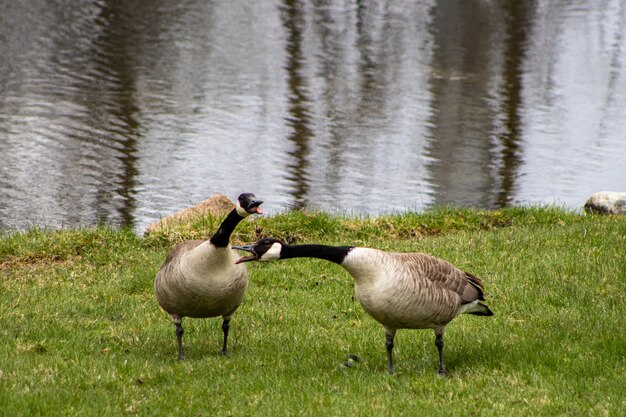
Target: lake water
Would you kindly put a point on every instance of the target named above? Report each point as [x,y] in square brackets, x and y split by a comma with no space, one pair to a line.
[120,112]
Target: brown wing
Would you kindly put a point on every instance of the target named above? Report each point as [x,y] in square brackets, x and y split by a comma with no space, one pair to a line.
[445,275]
[182,247]
[477,283]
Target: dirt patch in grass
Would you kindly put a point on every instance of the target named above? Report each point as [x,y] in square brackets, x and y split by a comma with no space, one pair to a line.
[31,262]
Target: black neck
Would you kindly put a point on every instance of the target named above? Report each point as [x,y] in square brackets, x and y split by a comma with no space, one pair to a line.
[334,254]
[221,238]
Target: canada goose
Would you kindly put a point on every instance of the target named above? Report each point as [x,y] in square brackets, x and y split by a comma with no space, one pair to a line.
[399,290]
[199,278]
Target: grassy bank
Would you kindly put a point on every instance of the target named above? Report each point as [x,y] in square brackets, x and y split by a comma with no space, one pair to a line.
[81,332]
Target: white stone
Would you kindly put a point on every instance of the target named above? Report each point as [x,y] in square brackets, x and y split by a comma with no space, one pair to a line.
[606,202]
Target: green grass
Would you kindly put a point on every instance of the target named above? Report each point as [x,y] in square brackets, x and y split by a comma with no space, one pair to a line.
[82,334]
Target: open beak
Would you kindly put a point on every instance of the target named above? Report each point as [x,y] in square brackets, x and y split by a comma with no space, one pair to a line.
[247,248]
[255,207]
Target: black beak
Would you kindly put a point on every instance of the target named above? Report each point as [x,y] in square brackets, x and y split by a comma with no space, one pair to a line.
[254,207]
[247,248]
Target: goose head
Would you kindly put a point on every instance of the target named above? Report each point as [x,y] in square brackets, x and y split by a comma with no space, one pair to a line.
[266,249]
[247,204]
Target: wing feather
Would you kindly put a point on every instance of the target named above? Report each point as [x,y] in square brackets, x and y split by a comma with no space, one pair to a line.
[444,275]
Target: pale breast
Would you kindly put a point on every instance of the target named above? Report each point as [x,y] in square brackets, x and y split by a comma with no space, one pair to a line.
[201,281]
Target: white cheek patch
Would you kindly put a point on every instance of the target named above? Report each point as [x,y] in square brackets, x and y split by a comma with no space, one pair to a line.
[240,210]
[272,253]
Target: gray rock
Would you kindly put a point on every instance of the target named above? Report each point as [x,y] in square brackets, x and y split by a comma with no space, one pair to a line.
[606,202]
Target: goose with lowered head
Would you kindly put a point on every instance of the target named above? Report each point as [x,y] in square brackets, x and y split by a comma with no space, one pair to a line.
[399,290]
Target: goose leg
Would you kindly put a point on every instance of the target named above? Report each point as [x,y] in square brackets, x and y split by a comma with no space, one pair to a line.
[439,343]
[389,336]
[225,328]
[179,336]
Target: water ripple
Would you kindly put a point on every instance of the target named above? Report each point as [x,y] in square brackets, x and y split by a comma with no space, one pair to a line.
[122,112]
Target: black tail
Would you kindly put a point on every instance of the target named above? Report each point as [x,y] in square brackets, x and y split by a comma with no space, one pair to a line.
[481,309]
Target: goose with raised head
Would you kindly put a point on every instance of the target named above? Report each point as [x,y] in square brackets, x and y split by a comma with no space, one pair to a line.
[399,290]
[199,278]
